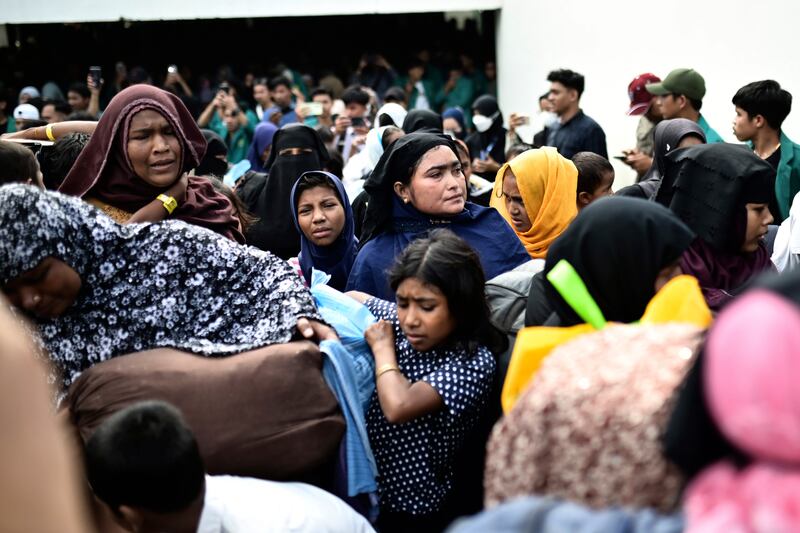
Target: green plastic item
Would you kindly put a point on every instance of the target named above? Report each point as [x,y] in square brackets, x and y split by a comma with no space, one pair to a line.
[571,287]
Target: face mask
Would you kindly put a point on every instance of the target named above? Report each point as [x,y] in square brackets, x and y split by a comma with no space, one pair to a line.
[550,119]
[482,123]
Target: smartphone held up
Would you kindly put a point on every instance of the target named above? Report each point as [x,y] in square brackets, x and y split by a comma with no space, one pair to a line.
[95,74]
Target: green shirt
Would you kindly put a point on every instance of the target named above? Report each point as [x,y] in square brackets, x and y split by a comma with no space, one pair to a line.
[711,135]
[787,181]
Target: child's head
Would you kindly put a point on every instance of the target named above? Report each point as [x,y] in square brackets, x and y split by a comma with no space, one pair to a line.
[18,164]
[144,464]
[319,209]
[516,149]
[759,105]
[57,163]
[595,177]
[439,283]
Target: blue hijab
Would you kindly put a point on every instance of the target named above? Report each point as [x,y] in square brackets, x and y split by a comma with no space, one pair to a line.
[262,138]
[458,115]
[483,228]
[336,259]
[391,225]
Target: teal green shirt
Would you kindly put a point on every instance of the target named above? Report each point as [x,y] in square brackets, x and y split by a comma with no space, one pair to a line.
[711,135]
[787,181]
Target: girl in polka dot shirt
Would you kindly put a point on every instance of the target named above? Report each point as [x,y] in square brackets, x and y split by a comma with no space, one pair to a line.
[434,374]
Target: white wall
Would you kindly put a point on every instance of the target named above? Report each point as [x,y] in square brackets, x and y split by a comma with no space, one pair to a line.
[730,43]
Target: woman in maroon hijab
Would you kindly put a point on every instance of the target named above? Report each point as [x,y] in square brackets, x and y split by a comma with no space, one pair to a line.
[134,168]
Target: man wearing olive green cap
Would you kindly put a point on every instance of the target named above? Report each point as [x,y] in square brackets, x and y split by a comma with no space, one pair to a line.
[680,95]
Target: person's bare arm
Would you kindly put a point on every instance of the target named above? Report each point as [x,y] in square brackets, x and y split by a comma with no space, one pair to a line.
[401,401]
[94,98]
[211,108]
[360,297]
[59,129]
[155,210]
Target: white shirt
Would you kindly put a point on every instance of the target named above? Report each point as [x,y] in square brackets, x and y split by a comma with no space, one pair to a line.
[246,505]
[422,98]
[786,251]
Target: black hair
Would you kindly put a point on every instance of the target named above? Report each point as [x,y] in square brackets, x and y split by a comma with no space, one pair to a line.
[246,218]
[545,96]
[765,98]
[445,261]
[387,133]
[279,80]
[137,75]
[145,456]
[321,90]
[394,95]
[517,148]
[310,180]
[355,94]
[58,161]
[80,88]
[696,104]
[17,163]
[567,78]
[261,81]
[59,105]
[591,168]
[415,62]
[81,115]
[325,134]
[335,163]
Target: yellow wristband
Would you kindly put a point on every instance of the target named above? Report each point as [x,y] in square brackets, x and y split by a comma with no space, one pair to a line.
[49,132]
[386,368]
[170,203]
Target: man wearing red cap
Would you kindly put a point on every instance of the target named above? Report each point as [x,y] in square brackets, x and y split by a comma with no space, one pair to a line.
[644,104]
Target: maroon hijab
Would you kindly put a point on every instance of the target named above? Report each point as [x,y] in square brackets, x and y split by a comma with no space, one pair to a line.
[723,274]
[712,185]
[103,170]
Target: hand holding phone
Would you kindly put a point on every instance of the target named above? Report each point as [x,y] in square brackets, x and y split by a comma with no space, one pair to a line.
[95,75]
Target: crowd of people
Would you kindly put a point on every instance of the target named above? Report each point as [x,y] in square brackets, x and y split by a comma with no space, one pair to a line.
[296,305]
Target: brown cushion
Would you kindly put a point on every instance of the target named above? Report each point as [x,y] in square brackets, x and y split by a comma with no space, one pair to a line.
[267,413]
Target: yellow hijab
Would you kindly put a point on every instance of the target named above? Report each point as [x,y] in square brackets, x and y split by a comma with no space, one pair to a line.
[548,184]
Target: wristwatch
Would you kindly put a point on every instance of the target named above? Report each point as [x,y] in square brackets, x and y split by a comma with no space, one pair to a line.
[170,203]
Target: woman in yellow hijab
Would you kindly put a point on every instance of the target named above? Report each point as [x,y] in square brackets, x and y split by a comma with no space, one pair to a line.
[536,194]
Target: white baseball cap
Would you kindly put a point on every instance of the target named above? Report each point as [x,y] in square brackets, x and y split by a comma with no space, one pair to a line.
[26,112]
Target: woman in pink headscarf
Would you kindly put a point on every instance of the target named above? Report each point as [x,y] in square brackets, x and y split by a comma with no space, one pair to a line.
[749,382]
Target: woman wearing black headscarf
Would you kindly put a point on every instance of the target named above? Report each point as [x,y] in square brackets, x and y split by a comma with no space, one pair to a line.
[624,250]
[410,195]
[215,160]
[488,144]
[422,120]
[669,135]
[296,149]
[722,192]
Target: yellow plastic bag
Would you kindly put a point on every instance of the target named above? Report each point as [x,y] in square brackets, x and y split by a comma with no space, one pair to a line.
[680,300]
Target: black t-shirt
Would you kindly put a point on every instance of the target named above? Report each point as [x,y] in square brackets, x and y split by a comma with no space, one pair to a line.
[775,159]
